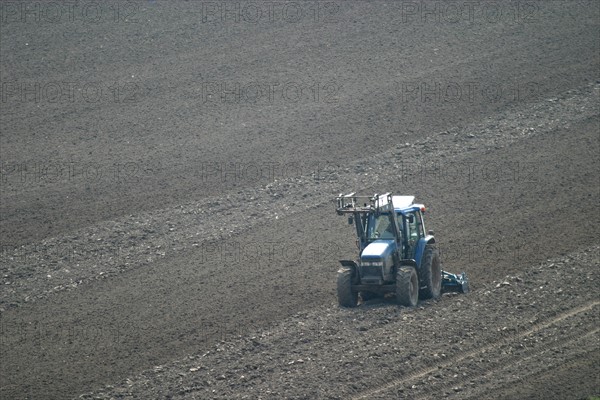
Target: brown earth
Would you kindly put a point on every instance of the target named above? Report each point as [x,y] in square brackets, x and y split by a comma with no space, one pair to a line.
[129,260]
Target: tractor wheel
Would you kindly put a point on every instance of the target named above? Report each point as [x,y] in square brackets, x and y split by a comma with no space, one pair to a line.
[346,296]
[407,286]
[366,296]
[431,274]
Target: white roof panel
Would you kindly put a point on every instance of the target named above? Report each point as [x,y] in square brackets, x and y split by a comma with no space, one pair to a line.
[399,202]
[402,201]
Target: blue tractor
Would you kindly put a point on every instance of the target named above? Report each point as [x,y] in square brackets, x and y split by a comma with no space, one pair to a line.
[397,254]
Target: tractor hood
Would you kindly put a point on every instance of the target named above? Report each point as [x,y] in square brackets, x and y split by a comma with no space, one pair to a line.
[380,249]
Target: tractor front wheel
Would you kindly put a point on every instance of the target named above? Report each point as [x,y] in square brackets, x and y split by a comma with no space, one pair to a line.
[407,286]
[430,274]
[346,296]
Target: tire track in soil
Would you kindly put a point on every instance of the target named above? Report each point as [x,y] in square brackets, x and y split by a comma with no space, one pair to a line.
[556,379]
[505,364]
[495,387]
[453,361]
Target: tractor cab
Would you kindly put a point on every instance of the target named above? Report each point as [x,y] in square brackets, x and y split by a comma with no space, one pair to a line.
[401,224]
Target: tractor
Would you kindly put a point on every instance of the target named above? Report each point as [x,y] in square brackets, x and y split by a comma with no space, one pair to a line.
[396,253]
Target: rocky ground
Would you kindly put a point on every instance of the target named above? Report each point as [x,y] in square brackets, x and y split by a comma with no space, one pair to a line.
[164,240]
[515,345]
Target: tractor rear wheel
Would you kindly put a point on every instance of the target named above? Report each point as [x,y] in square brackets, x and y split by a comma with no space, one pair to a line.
[346,296]
[430,276]
[407,286]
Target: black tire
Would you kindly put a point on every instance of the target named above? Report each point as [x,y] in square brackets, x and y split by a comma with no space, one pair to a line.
[346,296]
[366,296]
[430,277]
[407,286]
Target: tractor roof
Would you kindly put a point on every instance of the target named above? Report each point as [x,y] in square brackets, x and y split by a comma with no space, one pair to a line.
[402,202]
[405,204]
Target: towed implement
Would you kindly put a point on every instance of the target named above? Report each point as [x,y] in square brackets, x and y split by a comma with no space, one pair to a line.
[396,254]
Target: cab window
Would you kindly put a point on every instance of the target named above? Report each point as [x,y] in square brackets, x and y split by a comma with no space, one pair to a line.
[415,226]
[380,227]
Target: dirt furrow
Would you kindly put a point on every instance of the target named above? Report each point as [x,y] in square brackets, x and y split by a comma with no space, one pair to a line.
[579,349]
[331,353]
[183,303]
[108,249]
[453,361]
[183,244]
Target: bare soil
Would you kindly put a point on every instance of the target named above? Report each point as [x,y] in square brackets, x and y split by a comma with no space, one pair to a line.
[163,241]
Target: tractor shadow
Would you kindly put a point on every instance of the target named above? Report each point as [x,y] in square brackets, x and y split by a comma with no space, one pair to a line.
[390,300]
